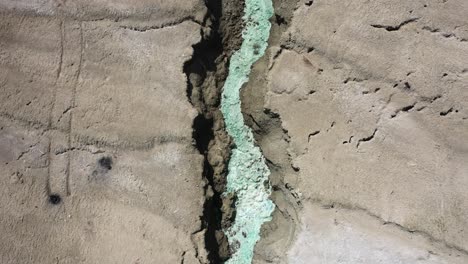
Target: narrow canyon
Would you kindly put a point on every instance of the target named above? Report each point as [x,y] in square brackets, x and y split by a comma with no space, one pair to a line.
[237,132]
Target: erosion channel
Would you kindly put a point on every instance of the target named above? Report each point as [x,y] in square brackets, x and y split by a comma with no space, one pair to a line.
[248,173]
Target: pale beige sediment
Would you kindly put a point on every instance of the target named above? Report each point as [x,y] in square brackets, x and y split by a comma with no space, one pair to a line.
[373,97]
[75,90]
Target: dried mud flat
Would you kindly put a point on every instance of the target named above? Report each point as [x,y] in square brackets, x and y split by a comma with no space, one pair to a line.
[113,149]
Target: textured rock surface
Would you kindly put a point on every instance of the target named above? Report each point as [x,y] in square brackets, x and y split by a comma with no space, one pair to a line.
[347,236]
[94,109]
[372,98]
[248,177]
[360,108]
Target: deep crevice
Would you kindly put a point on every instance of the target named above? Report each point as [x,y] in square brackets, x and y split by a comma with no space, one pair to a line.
[206,73]
[202,132]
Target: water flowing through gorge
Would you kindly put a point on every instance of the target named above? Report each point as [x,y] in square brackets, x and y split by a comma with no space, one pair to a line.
[248,176]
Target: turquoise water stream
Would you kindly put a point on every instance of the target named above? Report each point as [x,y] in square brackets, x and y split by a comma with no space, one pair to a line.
[248,175]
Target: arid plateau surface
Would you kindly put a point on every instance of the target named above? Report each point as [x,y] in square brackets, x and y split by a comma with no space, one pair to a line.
[346,141]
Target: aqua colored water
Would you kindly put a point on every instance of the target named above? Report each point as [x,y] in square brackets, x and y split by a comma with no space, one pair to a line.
[248,175]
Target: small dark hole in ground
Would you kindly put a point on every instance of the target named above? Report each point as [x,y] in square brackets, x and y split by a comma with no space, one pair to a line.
[407,86]
[54,199]
[106,162]
[280,20]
